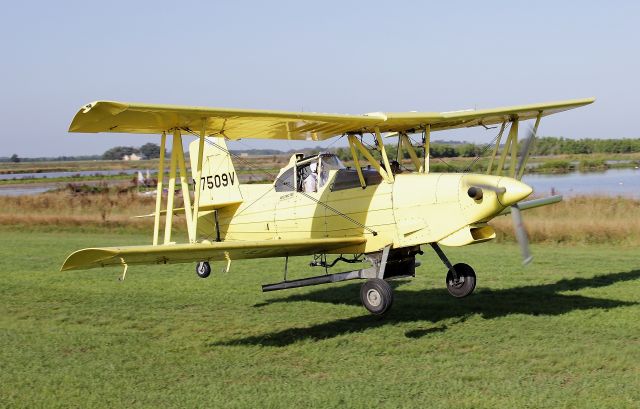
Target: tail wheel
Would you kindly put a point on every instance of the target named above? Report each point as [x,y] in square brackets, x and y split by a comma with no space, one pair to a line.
[203,269]
[466,282]
[376,295]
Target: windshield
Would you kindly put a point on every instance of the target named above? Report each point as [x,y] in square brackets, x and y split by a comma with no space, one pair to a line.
[331,162]
[328,162]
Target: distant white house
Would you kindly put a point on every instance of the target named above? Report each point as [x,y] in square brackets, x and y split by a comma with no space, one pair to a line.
[133,156]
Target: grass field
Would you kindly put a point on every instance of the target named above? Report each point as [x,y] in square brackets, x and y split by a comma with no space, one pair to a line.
[564,332]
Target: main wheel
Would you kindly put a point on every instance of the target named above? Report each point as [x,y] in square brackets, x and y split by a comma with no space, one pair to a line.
[203,269]
[466,282]
[376,295]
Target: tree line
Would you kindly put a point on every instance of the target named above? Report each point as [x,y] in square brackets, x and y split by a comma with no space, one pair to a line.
[544,146]
[146,151]
[562,146]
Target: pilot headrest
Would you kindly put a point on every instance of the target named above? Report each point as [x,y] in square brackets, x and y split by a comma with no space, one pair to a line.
[313,166]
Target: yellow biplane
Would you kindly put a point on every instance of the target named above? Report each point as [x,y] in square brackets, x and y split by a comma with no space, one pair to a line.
[374,212]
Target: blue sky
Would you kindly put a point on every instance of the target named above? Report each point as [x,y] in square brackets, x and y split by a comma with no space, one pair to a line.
[329,56]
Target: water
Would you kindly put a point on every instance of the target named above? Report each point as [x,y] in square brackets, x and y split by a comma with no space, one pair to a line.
[68,174]
[613,182]
[23,190]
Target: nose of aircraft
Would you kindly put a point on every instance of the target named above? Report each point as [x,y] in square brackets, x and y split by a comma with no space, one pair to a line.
[514,191]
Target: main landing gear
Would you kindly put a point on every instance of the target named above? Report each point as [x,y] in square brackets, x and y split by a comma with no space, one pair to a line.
[376,293]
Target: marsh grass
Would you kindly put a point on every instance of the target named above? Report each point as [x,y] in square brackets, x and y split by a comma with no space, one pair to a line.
[587,165]
[109,209]
[574,220]
[582,219]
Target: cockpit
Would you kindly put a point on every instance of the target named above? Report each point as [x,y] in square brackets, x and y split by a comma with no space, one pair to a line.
[311,174]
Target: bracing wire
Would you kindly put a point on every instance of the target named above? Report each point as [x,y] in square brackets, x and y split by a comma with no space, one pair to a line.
[447,164]
[270,175]
[484,150]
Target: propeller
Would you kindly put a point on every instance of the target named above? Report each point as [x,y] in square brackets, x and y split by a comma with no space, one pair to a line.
[521,234]
[518,223]
[508,194]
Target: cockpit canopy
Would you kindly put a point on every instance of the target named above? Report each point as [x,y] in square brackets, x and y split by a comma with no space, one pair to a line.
[328,168]
[300,167]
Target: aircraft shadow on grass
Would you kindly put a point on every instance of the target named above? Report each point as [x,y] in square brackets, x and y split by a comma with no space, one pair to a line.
[436,305]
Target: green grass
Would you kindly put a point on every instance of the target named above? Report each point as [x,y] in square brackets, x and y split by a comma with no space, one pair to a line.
[74,166]
[564,332]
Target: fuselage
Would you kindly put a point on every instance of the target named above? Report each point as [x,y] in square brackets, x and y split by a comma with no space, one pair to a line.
[416,208]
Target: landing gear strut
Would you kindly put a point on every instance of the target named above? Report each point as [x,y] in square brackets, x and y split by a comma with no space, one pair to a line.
[461,279]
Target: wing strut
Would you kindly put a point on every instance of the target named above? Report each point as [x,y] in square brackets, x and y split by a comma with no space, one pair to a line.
[196,205]
[426,142]
[156,221]
[186,196]
[356,161]
[177,164]
[383,153]
[510,149]
[405,143]
[170,193]
[511,145]
[355,143]
[525,155]
[495,149]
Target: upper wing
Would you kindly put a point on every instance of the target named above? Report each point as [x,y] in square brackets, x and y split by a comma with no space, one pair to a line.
[105,116]
[469,118]
[184,253]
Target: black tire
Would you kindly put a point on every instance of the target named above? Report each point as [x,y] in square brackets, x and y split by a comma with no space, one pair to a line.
[203,269]
[466,282]
[376,296]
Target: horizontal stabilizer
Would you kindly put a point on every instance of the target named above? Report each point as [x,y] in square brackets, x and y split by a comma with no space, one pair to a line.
[217,251]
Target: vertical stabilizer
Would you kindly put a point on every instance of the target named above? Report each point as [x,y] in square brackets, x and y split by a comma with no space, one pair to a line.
[219,182]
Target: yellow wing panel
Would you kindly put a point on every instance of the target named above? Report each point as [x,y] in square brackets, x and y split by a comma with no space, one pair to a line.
[469,118]
[185,253]
[106,116]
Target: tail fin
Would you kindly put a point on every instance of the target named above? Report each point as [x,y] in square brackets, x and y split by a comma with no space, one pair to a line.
[219,182]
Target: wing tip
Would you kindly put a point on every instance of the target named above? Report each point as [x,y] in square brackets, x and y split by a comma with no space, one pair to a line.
[87,258]
[82,123]
[583,101]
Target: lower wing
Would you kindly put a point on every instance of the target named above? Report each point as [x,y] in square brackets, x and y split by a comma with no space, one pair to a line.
[217,251]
